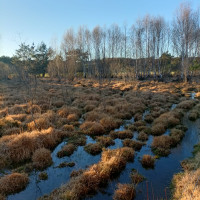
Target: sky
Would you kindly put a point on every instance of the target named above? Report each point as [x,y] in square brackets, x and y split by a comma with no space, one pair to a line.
[47,20]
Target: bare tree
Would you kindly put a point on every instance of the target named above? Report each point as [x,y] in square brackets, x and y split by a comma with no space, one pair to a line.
[184,28]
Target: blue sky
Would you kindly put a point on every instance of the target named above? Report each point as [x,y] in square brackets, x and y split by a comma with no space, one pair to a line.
[47,20]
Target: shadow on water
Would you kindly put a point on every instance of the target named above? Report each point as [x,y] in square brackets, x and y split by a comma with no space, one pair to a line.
[157,179]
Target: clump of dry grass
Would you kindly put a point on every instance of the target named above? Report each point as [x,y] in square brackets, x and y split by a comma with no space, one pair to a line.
[43,176]
[67,150]
[186,185]
[13,183]
[161,145]
[136,177]
[121,134]
[109,123]
[142,136]
[133,144]
[187,105]
[77,139]
[176,136]
[93,148]
[158,129]
[124,192]
[194,113]
[65,111]
[149,118]
[42,158]
[34,109]
[18,148]
[92,128]
[112,162]
[148,161]
[40,123]
[76,173]
[68,127]
[105,141]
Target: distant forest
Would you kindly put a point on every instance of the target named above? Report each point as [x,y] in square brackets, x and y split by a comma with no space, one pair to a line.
[150,48]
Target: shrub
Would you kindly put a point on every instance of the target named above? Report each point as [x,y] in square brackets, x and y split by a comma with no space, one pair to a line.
[67,150]
[93,148]
[13,183]
[124,192]
[148,161]
[42,158]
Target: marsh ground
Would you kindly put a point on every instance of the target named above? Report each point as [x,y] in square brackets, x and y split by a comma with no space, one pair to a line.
[72,129]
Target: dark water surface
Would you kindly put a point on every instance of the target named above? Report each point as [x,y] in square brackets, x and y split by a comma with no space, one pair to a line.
[157,180]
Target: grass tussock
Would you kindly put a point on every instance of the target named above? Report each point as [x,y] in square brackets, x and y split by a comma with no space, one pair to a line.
[142,136]
[88,182]
[105,141]
[13,183]
[161,145]
[187,105]
[124,192]
[18,148]
[92,128]
[148,161]
[121,134]
[186,185]
[110,123]
[136,177]
[67,150]
[42,158]
[93,148]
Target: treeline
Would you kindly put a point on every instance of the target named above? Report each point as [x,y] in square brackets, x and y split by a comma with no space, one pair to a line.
[151,47]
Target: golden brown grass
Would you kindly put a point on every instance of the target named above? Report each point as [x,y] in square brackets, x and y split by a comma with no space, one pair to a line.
[13,183]
[187,185]
[18,148]
[92,128]
[68,127]
[124,192]
[87,183]
[42,158]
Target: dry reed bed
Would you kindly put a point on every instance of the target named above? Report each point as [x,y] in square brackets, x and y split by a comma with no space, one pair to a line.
[87,183]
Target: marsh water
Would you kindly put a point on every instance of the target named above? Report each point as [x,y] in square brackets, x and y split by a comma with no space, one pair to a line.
[157,181]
